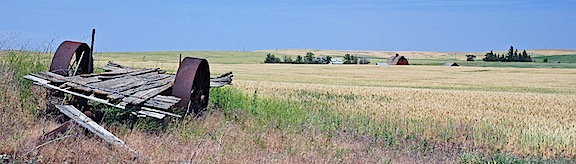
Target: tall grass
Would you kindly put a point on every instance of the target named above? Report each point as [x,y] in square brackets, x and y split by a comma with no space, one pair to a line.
[19,100]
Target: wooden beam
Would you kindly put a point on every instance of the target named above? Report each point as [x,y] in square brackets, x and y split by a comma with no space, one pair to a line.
[93,127]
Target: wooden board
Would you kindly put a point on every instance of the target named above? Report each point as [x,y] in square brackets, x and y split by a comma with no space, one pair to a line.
[93,127]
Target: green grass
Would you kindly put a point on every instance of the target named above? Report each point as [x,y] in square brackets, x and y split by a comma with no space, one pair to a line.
[391,133]
[568,58]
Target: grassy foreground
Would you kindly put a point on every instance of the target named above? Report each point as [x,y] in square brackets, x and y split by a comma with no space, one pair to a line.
[326,114]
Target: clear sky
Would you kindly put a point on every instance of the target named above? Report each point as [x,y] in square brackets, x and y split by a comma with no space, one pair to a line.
[386,25]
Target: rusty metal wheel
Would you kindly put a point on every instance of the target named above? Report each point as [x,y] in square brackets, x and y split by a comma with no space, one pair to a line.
[73,58]
[192,85]
[61,62]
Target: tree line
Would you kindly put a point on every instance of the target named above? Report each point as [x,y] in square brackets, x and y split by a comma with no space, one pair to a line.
[512,56]
[311,58]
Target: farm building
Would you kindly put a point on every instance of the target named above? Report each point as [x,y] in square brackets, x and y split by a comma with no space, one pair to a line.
[336,61]
[398,60]
[451,64]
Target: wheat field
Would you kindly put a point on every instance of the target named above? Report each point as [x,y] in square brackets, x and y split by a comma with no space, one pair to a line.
[521,111]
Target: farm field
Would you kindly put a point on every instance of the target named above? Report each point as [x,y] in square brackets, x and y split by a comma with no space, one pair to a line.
[522,111]
[355,113]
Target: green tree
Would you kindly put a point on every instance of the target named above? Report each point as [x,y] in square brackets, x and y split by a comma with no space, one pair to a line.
[309,58]
[271,59]
[287,59]
[470,57]
[298,60]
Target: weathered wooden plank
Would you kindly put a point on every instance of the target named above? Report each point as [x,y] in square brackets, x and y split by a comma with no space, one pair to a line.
[222,80]
[141,96]
[149,85]
[153,76]
[144,71]
[119,72]
[50,79]
[131,85]
[112,77]
[50,76]
[161,112]
[158,104]
[169,99]
[82,80]
[109,84]
[36,79]
[45,84]
[77,87]
[115,96]
[93,127]
[151,114]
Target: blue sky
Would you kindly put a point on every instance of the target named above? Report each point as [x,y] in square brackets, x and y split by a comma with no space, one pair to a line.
[386,25]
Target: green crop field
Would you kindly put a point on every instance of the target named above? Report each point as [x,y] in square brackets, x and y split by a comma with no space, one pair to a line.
[479,112]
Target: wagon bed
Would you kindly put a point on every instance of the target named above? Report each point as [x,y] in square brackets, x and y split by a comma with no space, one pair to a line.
[146,89]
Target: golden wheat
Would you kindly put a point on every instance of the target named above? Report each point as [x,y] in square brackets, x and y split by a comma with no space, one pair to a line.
[522,111]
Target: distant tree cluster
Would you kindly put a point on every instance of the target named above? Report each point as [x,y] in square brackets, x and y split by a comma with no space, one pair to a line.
[309,58]
[354,59]
[512,56]
[271,59]
[470,57]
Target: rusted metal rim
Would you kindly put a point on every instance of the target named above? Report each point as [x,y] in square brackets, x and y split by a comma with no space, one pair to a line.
[61,60]
[192,84]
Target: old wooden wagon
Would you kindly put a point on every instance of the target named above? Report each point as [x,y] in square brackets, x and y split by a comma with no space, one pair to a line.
[144,92]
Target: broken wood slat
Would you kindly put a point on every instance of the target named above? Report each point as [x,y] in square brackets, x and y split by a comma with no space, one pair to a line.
[82,80]
[144,71]
[119,72]
[222,80]
[115,96]
[109,84]
[77,87]
[111,77]
[161,112]
[158,104]
[227,74]
[154,76]
[131,85]
[149,85]
[216,84]
[170,99]
[93,127]
[109,68]
[151,114]
[141,96]
[150,77]
[162,102]
[51,79]
[89,75]
[36,79]
[48,76]
[43,83]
